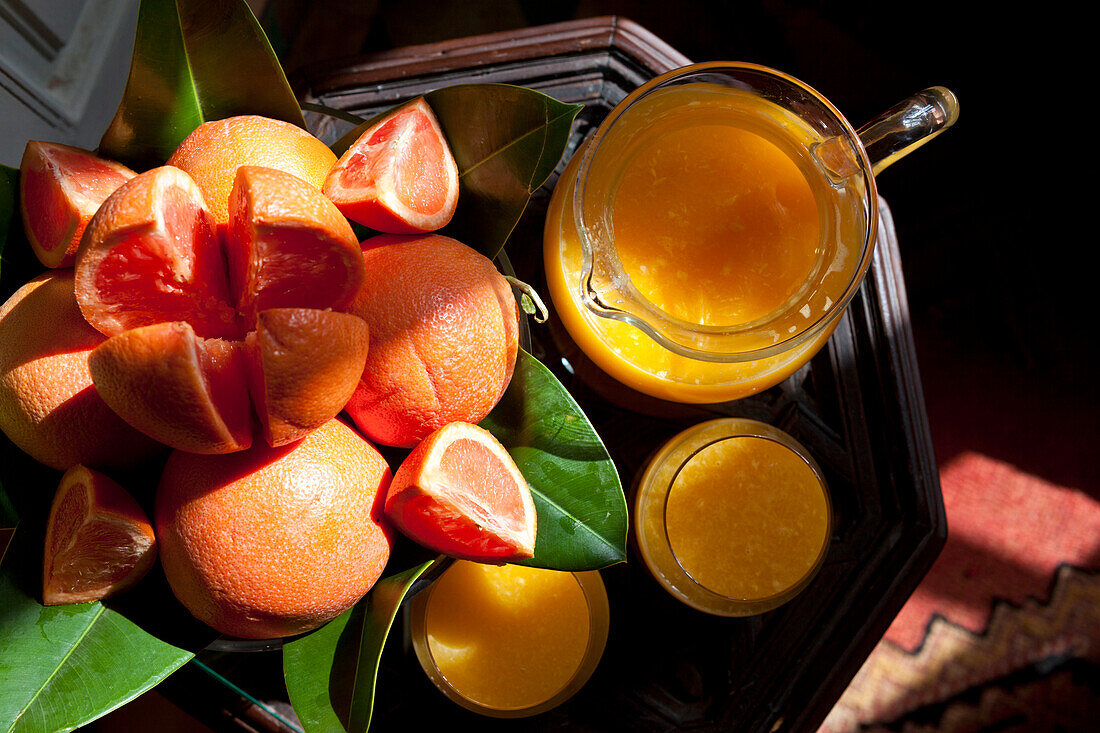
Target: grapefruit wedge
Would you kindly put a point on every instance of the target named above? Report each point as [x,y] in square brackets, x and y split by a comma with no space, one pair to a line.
[186,392]
[461,494]
[98,540]
[150,254]
[288,245]
[399,176]
[304,367]
[60,189]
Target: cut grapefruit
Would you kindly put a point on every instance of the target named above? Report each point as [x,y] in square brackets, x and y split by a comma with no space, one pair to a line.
[98,540]
[399,176]
[288,245]
[460,493]
[60,189]
[150,254]
[186,392]
[305,364]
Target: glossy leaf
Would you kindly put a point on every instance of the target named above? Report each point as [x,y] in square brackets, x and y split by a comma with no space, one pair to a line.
[193,61]
[506,140]
[582,513]
[331,673]
[64,666]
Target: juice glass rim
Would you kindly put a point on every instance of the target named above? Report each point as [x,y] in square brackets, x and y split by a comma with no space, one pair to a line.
[596,601]
[693,333]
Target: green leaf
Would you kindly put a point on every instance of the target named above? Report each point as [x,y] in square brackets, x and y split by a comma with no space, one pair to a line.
[331,673]
[194,61]
[506,141]
[582,514]
[64,666]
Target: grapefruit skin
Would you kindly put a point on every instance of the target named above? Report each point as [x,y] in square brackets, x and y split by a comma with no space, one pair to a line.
[399,176]
[303,367]
[273,542]
[60,188]
[444,335]
[49,406]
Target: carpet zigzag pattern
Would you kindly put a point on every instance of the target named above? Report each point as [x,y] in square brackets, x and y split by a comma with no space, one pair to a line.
[982,645]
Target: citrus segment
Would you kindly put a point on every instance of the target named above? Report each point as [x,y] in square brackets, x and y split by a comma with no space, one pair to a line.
[399,176]
[288,245]
[444,336]
[60,189]
[98,540]
[272,542]
[186,392]
[304,367]
[214,151]
[150,255]
[49,406]
[460,493]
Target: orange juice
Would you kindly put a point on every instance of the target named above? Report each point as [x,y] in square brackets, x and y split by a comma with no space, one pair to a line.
[510,640]
[720,219]
[732,517]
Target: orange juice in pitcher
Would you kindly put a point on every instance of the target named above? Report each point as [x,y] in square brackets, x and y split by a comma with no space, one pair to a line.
[703,243]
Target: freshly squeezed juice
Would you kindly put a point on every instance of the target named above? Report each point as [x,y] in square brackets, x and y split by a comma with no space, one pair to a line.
[731,518]
[715,210]
[511,638]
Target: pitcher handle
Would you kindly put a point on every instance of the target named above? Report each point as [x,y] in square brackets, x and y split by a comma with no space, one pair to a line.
[907,125]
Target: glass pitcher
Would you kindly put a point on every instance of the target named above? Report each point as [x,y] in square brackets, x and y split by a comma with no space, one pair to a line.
[703,243]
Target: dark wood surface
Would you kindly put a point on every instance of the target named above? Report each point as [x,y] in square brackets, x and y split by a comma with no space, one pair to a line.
[857,406]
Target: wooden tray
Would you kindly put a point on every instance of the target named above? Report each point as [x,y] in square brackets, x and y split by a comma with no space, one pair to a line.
[857,407]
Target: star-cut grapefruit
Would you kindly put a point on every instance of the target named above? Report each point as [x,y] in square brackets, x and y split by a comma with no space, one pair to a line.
[460,493]
[399,176]
[99,542]
[185,309]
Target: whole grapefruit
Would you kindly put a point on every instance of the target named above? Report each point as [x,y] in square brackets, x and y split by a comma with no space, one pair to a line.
[48,405]
[444,335]
[273,542]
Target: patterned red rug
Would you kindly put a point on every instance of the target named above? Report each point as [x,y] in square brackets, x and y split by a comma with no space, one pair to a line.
[1004,632]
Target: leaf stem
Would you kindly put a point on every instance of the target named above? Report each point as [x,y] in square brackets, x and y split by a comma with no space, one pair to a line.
[529,300]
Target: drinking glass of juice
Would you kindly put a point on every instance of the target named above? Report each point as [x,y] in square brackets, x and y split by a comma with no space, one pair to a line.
[732,517]
[510,641]
[703,243]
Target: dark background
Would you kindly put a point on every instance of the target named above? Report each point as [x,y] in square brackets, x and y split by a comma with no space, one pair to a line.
[988,215]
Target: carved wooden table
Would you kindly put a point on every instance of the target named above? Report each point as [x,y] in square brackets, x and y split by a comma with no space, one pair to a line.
[857,407]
